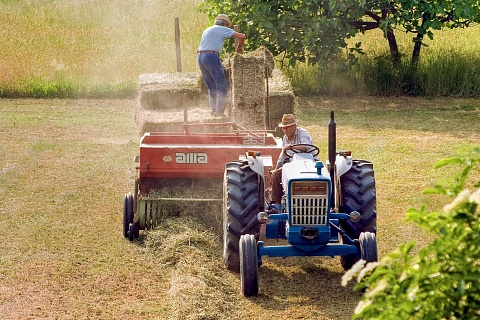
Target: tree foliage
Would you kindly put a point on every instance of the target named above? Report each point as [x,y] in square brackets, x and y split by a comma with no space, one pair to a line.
[298,30]
[418,17]
[312,30]
[442,280]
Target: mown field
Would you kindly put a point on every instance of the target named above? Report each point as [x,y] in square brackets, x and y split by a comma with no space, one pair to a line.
[66,164]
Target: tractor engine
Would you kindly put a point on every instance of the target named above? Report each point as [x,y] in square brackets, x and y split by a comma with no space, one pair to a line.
[307,186]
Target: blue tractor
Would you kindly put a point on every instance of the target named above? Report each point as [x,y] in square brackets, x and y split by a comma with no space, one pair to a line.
[327,210]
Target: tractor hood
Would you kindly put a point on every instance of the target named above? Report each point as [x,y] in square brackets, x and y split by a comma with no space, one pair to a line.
[301,167]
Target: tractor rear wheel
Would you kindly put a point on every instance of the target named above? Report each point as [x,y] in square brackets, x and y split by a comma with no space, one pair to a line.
[248,265]
[241,204]
[358,193]
[368,246]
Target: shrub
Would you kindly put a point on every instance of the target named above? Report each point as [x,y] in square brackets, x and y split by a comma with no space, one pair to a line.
[441,280]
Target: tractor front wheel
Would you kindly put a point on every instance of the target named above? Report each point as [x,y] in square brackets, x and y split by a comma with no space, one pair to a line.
[241,204]
[368,246]
[248,265]
[131,232]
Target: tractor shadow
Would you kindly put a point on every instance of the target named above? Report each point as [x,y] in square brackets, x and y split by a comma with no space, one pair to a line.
[313,283]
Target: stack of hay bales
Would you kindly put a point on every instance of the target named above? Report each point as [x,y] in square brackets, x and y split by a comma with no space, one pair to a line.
[162,98]
[251,88]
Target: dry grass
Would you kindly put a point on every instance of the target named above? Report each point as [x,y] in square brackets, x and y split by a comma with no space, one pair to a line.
[67,163]
[95,43]
[66,48]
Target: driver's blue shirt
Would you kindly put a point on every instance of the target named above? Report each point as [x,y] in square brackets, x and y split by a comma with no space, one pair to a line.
[301,136]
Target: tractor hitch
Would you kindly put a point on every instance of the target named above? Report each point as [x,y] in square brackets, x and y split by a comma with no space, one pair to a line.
[309,233]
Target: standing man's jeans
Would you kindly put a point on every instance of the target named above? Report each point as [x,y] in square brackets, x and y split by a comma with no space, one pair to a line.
[214,77]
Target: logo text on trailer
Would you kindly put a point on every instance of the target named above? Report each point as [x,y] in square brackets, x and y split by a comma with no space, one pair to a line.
[194,157]
[257,140]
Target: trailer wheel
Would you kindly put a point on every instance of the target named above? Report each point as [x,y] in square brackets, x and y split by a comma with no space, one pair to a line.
[241,205]
[248,265]
[368,246]
[358,193]
[131,232]
[128,206]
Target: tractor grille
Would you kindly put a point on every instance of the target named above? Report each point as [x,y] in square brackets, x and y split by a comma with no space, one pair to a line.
[308,210]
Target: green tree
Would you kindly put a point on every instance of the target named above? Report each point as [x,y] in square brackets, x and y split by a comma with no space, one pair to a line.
[418,17]
[296,30]
[311,30]
[442,280]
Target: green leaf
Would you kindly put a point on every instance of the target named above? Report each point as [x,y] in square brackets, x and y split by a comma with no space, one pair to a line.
[448,161]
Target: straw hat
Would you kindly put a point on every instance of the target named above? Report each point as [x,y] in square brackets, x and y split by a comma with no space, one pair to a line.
[288,120]
[224,17]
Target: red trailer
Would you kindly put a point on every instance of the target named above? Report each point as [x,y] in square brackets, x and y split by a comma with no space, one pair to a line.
[169,160]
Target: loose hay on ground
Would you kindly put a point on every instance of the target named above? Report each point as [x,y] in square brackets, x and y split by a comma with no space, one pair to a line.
[198,279]
[209,213]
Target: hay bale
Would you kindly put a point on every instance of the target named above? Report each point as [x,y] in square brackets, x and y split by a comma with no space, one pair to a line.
[173,120]
[266,57]
[162,99]
[248,90]
[168,90]
[281,100]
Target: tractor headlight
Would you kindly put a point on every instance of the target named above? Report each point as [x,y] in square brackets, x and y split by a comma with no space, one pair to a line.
[262,217]
[355,216]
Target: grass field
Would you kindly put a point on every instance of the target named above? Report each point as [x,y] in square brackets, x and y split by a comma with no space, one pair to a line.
[93,47]
[66,165]
[99,48]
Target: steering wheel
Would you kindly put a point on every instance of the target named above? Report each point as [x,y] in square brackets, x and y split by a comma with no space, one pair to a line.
[314,150]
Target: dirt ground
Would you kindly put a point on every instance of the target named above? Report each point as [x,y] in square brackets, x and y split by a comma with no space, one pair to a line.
[65,166]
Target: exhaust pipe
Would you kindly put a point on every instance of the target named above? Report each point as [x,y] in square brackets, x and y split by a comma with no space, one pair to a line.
[332,150]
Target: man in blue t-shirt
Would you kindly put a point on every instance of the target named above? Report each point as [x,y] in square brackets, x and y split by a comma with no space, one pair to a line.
[211,65]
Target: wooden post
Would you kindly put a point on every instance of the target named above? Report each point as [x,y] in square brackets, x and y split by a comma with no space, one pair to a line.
[177,45]
[185,109]
[235,28]
[267,93]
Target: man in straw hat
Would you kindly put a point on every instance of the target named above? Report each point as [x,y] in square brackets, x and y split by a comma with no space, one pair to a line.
[293,135]
[210,64]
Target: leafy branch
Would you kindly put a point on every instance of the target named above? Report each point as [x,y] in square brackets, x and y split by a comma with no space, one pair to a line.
[442,280]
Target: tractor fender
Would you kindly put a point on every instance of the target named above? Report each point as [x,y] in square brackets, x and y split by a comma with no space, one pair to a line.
[343,164]
[260,164]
